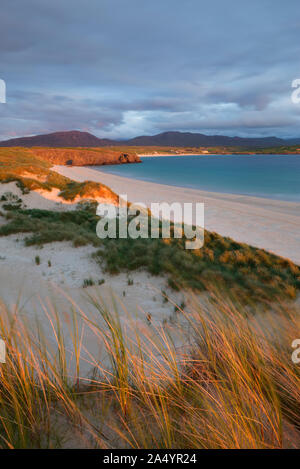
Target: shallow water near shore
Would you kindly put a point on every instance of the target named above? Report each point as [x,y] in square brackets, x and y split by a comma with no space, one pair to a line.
[271,176]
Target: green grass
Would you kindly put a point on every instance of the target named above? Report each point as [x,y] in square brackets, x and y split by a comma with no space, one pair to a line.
[88,282]
[44,226]
[245,270]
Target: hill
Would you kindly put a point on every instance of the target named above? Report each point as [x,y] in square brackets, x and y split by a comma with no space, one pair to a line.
[186,139]
[73,138]
[76,138]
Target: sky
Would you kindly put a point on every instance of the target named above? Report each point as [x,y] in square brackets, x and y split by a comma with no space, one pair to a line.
[122,68]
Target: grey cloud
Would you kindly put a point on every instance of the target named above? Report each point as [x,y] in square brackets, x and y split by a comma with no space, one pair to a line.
[118,68]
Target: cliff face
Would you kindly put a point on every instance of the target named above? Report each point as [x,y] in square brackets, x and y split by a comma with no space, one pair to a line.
[84,157]
[31,173]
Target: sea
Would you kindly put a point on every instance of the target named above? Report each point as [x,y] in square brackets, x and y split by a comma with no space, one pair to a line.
[269,176]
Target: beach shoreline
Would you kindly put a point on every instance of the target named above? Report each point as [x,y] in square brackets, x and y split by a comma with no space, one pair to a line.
[265,223]
[153,155]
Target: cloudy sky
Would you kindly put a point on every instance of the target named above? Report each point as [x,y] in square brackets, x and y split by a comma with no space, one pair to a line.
[121,68]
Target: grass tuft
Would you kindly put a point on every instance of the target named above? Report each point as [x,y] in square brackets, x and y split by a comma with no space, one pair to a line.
[234,384]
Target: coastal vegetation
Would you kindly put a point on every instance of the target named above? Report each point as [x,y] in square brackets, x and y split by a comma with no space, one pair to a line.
[231,383]
[233,386]
[245,270]
[241,268]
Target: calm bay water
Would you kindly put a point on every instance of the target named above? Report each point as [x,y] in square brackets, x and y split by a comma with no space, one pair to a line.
[272,176]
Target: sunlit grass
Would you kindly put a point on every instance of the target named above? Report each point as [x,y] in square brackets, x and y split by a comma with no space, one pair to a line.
[229,382]
[31,172]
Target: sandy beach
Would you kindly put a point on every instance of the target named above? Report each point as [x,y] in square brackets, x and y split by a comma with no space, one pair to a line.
[32,289]
[265,223]
[152,155]
[24,281]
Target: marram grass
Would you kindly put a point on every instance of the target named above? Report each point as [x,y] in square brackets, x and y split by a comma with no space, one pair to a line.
[228,383]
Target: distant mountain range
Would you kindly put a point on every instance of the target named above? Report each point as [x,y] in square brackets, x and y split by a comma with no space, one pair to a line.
[75,138]
[188,139]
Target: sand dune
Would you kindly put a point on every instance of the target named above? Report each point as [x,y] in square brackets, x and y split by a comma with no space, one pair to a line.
[265,223]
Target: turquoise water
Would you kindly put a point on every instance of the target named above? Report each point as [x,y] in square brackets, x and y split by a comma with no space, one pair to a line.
[272,176]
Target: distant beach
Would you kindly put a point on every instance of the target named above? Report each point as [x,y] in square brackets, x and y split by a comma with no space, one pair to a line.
[271,176]
[153,155]
[269,224]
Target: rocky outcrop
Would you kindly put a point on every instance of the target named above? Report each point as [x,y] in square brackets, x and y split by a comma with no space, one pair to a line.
[124,158]
[84,157]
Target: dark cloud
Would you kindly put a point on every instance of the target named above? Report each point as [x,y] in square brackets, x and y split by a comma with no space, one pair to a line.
[120,68]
